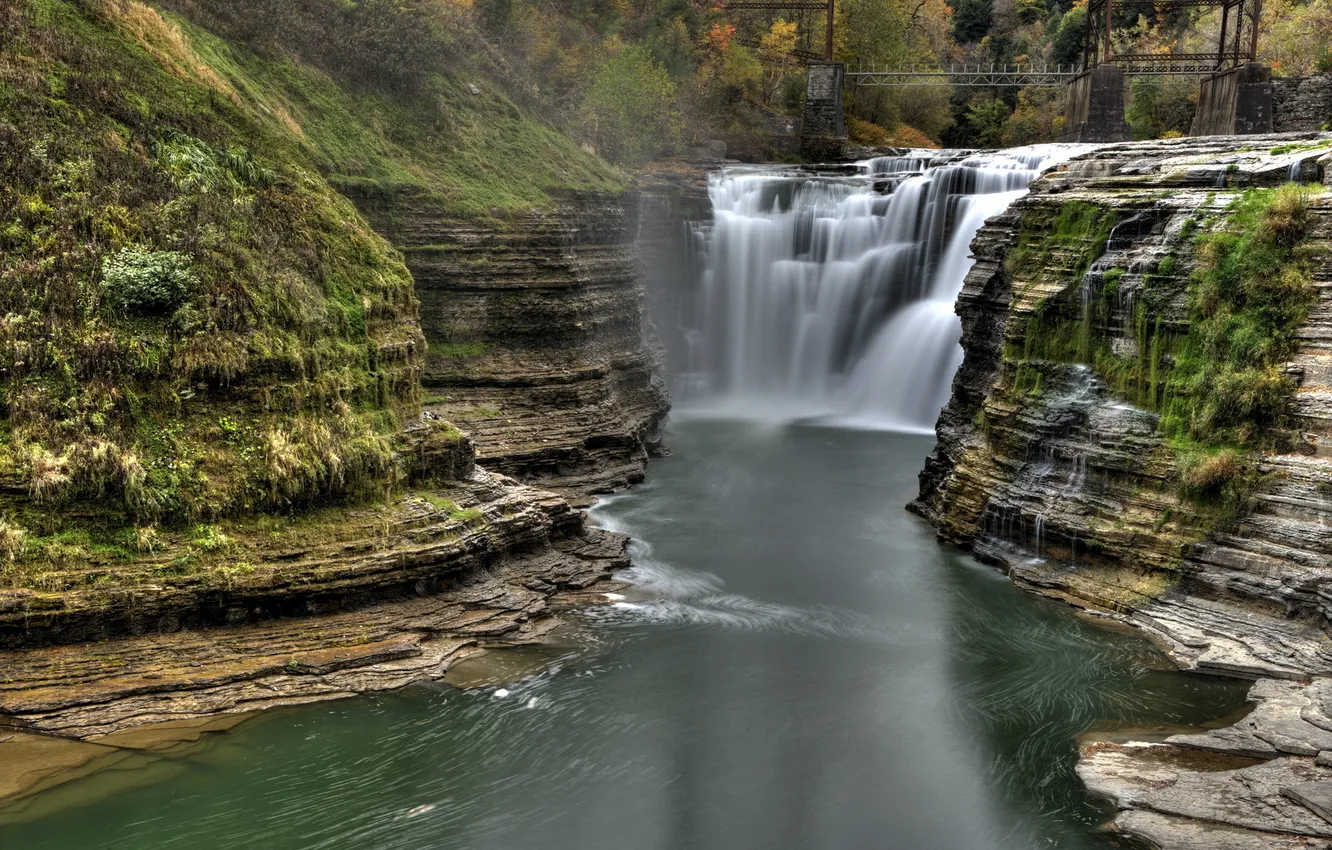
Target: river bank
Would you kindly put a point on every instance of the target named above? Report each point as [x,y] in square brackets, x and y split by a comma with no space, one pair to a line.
[796,667]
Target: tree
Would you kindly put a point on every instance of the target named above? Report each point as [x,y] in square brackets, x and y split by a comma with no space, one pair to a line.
[1066,46]
[1038,117]
[629,112]
[986,116]
[1161,106]
[971,20]
[775,49]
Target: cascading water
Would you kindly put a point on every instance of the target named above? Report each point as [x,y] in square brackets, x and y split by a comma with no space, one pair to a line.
[830,295]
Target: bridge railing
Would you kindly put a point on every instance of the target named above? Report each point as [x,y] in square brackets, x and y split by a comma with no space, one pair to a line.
[964,74]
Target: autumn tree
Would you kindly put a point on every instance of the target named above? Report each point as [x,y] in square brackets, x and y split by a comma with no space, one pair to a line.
[629,112]
[775,52]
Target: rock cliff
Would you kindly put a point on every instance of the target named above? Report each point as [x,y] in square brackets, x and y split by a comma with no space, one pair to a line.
[319,606]
[540,345]
[212,443]
[1057,462]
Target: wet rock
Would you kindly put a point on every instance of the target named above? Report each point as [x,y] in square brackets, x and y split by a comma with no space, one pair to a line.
[354,619]
[1044,470]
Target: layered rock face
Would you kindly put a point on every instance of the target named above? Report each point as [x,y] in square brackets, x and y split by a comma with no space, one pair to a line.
[326,606]
[1052,466]
[540,343]
[1302,103]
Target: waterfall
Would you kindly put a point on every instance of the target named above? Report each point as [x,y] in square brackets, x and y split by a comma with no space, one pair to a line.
[829,293]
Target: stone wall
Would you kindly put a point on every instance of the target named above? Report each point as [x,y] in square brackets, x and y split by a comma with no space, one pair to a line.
[1094,107]
[823,130]
[1302,103]
[1235,102]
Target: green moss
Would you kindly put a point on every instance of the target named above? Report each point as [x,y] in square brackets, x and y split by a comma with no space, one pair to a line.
[195,324]
[437,501]
[1060,246]
[1252,293]
[1218,382]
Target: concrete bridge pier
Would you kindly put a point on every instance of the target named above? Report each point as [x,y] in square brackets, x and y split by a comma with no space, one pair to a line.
[823,130]
[1235,102]
[1094,110]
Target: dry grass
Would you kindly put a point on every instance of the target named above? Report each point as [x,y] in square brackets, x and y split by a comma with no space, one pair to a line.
[1211,474]
[1286,220]
[164,42]
[13,542]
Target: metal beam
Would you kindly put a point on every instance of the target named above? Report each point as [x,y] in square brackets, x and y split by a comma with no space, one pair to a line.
[751,5]
[890,79]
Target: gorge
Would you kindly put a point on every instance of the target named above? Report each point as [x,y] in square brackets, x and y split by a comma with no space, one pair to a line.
[311,360]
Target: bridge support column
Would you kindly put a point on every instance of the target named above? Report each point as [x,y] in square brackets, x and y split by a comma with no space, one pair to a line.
[823,131]
[1094,110]
[1237,102]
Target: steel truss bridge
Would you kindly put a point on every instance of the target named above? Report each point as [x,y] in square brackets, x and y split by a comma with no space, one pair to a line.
[964,75]
[1236,41]
[1236,44]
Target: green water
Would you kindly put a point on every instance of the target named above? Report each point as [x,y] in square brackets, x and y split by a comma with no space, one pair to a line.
[812,671]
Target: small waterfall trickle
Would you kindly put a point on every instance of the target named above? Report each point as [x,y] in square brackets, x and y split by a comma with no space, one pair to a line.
[831,294]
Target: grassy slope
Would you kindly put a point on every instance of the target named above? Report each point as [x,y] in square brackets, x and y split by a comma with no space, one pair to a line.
[478,155]
[284,375]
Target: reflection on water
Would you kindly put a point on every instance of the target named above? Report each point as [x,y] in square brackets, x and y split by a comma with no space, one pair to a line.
[803,668]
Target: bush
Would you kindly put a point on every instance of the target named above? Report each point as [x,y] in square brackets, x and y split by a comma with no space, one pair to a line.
[1287,218]
[1161,107]
[1251,294]
[13,541]
[866,132]
[1212,474]
[136,280]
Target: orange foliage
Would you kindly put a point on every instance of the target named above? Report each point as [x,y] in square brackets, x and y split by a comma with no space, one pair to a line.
[719,37]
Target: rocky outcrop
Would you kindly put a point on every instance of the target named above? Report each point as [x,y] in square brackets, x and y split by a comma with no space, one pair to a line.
[1051,464]
[540,343]
[1302,103]
[323,605]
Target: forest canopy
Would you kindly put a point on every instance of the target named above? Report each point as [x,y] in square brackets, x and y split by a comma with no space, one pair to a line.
[731,75]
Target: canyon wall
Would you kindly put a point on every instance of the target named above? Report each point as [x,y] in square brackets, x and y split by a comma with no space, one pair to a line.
[1053,464]
[540,345]
[1302,104]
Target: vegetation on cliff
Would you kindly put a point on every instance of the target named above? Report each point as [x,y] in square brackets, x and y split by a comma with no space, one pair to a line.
[196,324]
[1251,294]
[1208,348]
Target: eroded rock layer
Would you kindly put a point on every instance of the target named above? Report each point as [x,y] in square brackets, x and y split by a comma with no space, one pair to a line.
[1052,464]
[329,604]
[540,344]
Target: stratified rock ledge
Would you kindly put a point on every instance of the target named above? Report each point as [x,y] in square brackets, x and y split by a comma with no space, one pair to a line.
[1073,491]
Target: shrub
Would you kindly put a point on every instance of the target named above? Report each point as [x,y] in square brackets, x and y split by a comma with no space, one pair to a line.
[13,541]
[144,539]
[209,538]
[47,475]
[136,280]
[866,132]
[1251,294]
[1212,474]
[1286,220]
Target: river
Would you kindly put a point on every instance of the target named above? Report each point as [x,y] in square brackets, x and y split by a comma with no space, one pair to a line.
[802,667]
